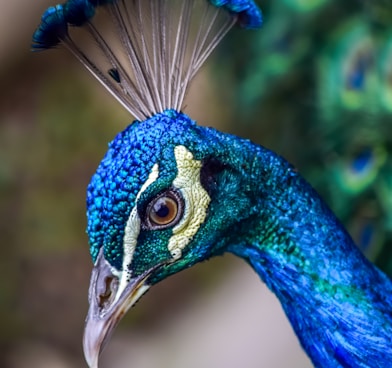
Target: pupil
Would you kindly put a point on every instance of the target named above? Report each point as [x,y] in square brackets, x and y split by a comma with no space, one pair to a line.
[161,210]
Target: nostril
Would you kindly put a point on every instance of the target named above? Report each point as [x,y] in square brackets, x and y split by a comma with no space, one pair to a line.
[108,293]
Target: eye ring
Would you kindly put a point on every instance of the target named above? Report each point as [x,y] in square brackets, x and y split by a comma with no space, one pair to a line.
[165,210]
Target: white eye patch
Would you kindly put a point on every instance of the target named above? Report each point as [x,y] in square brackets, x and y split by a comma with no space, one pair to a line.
[195,197]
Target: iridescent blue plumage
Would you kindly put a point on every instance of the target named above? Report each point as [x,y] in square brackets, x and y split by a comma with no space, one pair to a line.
[261,210]
[125,167]
[170,193]
[250,15]
[78,12]
[54,23]
[52,30]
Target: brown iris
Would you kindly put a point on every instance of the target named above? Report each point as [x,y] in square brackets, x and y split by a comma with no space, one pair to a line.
[164,210]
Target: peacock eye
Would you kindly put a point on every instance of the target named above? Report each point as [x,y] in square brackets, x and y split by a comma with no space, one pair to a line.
[164,210]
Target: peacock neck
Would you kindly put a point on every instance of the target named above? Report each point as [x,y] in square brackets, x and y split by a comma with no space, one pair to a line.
[338,303]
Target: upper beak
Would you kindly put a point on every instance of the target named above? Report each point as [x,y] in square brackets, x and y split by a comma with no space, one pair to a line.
[108,305]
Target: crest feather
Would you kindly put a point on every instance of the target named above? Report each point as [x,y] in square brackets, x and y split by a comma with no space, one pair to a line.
[145,52]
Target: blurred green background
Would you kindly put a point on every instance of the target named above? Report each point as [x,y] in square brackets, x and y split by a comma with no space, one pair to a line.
[56,122]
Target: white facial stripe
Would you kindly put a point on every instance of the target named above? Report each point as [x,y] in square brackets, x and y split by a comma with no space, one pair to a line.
[195,197]
[132,230]
[151,178]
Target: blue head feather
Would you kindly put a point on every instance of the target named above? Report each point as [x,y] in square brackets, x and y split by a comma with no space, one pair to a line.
[52,30]
[78,12]
[249,13]
[113,189]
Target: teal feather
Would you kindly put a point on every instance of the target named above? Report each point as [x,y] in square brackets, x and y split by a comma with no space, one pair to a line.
[335,92]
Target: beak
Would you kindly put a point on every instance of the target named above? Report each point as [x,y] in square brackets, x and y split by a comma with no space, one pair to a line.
[108,304]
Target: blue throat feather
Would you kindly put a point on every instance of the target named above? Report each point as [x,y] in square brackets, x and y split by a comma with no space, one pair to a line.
[169,193]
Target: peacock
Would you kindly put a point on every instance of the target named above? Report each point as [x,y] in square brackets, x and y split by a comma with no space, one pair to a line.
[170,193]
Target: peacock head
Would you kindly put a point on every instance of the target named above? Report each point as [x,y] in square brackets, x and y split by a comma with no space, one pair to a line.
[150,204]
[154,209]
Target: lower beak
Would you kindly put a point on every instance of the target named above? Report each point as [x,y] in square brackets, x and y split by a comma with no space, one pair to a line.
[107,307]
